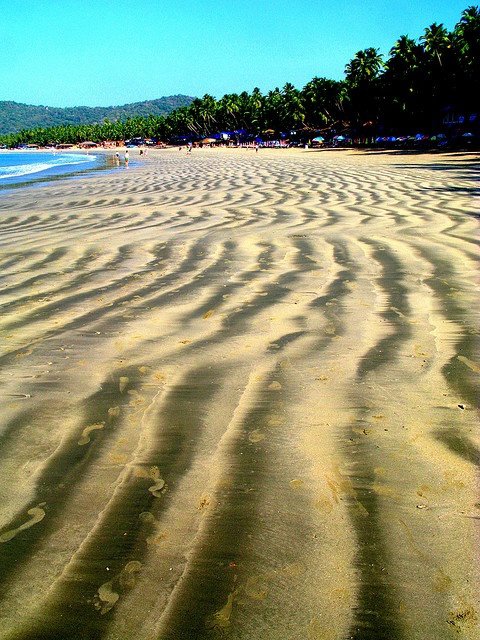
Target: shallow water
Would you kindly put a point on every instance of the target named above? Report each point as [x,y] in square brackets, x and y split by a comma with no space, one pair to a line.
[23,168]
[238,400]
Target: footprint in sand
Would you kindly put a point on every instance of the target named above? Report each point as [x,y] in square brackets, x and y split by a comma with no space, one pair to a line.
[37,515]
[147,517]
[144,370]
[122,383]
[85,437]
[109,592]
[127,578]
[275,386]
[113,412]
[296,483]
[106,598]
[256,436]
[159,487]
[221,618]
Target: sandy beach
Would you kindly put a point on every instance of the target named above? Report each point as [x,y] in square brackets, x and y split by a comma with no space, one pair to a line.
[238,399]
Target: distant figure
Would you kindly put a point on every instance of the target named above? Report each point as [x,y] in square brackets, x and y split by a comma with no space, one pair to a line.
[126,157]
[117,158]
[256,147]
[141,152]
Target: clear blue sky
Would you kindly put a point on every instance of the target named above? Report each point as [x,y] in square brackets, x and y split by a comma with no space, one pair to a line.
[106,52]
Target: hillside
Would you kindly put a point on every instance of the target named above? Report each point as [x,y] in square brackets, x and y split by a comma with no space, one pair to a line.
[15,116]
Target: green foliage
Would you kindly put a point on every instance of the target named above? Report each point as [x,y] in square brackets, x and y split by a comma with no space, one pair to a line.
[410,90]
[14,116]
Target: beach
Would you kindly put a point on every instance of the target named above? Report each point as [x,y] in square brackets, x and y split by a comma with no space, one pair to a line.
[239,399]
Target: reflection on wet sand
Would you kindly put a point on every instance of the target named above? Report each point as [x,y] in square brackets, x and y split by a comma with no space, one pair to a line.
[238,400]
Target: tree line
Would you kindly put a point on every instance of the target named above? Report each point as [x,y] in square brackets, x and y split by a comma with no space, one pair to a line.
[15,116]
[409,91]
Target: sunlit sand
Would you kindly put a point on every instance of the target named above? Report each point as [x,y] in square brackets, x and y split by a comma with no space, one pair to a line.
[238,399]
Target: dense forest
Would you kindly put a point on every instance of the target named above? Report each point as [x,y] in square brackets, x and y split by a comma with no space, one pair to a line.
[421,84]
[15,116]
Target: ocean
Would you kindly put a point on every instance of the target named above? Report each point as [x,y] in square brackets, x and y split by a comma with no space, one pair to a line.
[18,168]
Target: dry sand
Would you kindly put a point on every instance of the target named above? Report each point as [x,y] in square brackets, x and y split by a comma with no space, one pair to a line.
[238,399]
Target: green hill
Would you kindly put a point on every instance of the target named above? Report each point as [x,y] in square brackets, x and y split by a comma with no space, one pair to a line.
[15,116]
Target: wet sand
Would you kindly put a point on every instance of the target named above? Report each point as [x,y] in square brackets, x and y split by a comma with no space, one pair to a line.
[238,399]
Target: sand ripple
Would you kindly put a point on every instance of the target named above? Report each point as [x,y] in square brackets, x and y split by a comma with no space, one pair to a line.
[239,398]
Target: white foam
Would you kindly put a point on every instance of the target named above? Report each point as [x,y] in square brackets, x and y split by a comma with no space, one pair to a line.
[55,160]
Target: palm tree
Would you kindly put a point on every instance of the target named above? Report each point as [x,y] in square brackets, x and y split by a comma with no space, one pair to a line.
[364,67]
[273,110]
[468,30]
[292,110]
[436,40]
[441,64]
[255,116]
[323,100]
[228,108]
[403,84]
[362,81]
[467,35]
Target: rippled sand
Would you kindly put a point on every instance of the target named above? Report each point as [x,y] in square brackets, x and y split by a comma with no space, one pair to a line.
[238,400]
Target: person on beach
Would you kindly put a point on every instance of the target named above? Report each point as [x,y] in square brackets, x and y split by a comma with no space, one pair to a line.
[126,157]
[117,158]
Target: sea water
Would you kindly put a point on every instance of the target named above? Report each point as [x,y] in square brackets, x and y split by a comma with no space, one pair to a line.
[23,167]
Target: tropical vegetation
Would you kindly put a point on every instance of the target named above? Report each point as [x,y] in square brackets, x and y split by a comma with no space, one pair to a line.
[15,116]
[414,89]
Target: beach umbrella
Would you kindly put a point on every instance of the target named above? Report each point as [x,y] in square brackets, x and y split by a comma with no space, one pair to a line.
[339,138]
[269,131]
[208,140]
[467,135]
[318,139]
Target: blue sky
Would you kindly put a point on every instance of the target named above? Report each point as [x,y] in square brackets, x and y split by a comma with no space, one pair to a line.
[105,52]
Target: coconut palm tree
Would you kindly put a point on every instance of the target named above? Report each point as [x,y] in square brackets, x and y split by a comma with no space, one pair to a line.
[255,116]
[440,72]
[436,41]
[227,110]
[362,82]
[467,35]
[323,100]
[403,84]
[273,106]
[292,111]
